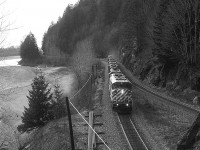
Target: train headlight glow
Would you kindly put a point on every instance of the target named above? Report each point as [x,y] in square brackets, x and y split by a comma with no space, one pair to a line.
[127,104]
[117,104]
[122,91]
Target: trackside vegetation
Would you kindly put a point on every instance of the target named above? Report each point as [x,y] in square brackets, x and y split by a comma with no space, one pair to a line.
[44,106]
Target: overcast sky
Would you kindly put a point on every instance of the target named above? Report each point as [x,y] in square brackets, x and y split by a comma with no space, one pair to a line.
[30,16]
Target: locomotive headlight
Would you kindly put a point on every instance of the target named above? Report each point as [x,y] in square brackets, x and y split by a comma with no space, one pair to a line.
[127,104]
[117,104]
[122,91]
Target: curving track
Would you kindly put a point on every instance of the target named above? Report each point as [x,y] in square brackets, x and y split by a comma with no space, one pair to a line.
[133,137]
[165,99]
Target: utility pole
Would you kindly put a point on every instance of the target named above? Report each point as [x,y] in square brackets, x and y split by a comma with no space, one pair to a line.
[91,80]
[70,124]
[92,74]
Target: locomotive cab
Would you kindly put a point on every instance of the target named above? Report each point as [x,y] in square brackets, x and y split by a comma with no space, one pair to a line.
[121,96]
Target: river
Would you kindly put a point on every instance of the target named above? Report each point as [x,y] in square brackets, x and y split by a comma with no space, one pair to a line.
[15,83]
[9,61]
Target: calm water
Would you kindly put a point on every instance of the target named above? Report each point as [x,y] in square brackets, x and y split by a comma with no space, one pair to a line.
[9,61]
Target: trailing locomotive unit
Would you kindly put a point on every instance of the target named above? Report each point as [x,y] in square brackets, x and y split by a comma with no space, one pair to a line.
[112,71]
[120,93]
[112,66]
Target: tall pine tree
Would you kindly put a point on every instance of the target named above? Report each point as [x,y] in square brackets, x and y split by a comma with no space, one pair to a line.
[28,49]
[58,103]
[38,113]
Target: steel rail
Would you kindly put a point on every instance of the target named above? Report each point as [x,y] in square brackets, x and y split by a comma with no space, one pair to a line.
[131,133]
[156,94]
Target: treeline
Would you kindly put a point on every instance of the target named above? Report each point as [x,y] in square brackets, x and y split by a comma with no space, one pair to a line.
[88,18]
[29,51]
[9,51]
[111,24]
[176,45]
[156,39]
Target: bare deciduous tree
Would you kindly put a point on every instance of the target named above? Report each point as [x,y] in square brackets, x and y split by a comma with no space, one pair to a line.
[183,24]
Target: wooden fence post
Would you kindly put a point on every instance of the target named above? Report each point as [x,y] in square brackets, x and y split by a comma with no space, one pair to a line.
[70,124]
[90,131]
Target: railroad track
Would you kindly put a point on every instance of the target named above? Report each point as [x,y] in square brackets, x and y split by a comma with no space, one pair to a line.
[164,99]
[132,135]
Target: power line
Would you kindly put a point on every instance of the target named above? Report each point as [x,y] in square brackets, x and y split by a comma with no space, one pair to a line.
[79,112]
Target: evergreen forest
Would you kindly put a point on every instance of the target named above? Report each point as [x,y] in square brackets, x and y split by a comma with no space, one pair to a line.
[158,40]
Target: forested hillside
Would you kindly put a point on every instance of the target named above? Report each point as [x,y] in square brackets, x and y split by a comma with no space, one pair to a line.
[157,40]
[9,51]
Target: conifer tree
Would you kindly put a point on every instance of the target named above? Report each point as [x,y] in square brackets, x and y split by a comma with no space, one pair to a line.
[28,49]
[37,114]
[58,104]
[128,38]
[159,27]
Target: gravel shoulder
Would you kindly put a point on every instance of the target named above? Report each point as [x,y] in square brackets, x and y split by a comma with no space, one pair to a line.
[163,128]
[112,136]
[113,133]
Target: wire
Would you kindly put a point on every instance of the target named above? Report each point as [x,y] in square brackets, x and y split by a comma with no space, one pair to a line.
[90,126]
[80,113]
[83,116]
[81,87]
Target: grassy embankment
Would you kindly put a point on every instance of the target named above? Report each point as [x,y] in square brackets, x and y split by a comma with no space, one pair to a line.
[81,63]
[165,126]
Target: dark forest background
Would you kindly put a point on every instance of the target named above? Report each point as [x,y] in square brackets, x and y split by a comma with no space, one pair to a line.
[157,40]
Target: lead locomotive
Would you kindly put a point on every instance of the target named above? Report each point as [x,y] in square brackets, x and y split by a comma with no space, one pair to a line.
[120,88]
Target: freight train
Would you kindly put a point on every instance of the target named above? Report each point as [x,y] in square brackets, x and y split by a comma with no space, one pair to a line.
[120,88]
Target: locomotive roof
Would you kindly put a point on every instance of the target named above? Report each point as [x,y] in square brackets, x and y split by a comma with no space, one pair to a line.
[114,80]
[111,58]
[112,62]
[114,71]
[118,77]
